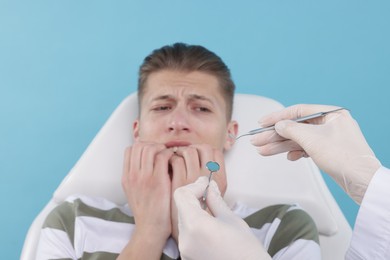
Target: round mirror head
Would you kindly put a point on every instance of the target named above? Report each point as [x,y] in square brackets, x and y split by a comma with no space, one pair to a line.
[212,166]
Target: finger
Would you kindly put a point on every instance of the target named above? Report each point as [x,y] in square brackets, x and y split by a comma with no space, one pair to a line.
[296,155]
[187,197]
[266,138]
[179,171]
[294,112]
[134,164]
[149,152]
[192,162]
[188,207]
[126,167]
[135,157]
[220,175]
[217,205]
[126,160]
[161,163]
[278,147]
[206,154]
[300,133]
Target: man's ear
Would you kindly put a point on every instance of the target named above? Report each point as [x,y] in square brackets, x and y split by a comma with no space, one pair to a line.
[136,129]
[231,135]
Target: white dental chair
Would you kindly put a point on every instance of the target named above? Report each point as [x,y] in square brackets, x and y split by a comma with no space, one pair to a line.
[255,180]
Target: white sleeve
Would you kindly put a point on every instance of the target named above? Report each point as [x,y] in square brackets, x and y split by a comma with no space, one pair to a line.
[371,235]
[55,244]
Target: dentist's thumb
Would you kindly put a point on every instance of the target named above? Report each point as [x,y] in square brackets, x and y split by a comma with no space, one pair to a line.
[294,131]
[307,136]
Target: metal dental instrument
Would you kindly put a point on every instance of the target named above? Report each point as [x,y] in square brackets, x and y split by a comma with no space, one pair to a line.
[300,119]
[212,167]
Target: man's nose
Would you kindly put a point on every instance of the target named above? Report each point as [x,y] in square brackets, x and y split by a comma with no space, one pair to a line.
[179,121]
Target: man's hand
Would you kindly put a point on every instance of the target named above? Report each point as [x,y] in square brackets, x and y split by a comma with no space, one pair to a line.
[152,173]
[147,185]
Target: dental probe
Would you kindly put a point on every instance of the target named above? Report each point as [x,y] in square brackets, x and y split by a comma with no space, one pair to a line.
[300,119]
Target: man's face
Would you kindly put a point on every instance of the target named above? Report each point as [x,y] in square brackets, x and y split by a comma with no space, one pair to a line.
[184,108]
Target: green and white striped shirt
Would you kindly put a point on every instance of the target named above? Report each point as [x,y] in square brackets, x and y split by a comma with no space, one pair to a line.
[91,228]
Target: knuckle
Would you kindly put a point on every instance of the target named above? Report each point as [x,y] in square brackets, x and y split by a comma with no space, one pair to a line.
[162,156]
[190,151]
[176,159]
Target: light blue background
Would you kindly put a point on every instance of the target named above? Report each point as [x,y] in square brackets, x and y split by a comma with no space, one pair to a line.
[65,65]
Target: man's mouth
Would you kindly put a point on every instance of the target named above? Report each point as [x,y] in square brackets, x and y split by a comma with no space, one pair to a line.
[177,143]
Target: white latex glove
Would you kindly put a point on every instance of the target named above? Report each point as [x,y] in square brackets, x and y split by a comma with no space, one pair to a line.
[334,142]
[221,236]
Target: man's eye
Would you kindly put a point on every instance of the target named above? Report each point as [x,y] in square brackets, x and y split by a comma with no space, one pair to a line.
[162,108]
[202,109]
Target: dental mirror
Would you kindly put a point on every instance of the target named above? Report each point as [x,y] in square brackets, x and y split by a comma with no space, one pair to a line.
[212,166]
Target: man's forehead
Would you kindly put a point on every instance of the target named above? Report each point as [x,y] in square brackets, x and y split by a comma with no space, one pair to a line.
[207,93]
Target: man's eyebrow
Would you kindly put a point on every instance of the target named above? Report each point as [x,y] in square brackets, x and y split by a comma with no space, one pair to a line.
[163,97]
[199,97]
[190,97]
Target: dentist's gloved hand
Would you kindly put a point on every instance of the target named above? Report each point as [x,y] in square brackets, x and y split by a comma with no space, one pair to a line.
[334,142]
[221,236]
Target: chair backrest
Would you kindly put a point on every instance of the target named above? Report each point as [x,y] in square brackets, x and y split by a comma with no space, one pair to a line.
[252,179]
